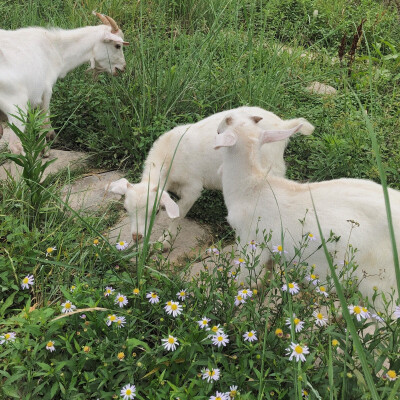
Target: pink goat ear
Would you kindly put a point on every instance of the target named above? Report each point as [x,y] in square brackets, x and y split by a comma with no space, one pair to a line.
[170,206]
[119,187]
[277,135]
[225,139]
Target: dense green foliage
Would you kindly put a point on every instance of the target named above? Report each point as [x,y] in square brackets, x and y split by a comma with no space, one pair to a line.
[187,60]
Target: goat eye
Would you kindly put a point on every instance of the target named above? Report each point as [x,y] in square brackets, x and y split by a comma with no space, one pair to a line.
[117,46]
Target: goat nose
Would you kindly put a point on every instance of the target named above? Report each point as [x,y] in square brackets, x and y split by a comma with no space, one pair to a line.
[136,237]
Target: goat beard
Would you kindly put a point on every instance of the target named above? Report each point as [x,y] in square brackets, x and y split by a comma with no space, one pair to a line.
[96,71]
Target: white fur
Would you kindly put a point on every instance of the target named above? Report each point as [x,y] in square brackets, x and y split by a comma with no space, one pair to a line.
[255,199]
[32,59]
[195,165]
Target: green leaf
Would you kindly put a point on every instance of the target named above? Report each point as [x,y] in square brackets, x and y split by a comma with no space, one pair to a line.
[133,342]
[7,304]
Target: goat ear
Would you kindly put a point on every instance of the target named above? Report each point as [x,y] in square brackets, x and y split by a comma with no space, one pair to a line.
[275,136]
[111,37]
[120,186]
[225,139]
[170,206]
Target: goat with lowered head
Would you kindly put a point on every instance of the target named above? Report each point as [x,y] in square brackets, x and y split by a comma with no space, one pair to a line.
[257,200]
[183,162]
[32,59]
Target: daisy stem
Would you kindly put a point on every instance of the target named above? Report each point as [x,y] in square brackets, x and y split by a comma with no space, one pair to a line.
[330,368]
[261,385]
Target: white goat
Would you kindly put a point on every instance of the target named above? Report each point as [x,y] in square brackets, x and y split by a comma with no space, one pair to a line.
[258,201]
[193,167]
[32,59]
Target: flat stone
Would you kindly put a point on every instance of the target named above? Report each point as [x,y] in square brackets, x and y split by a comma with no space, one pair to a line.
[87,193]
[321,88]
[189,238]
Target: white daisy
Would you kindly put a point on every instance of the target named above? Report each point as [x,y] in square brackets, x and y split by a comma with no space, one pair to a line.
[153,297]
[313,279]
[250,336]
[174,308]
[182,294]
[220,396]
[298,324]
[391,375]
[211,375]
[311,237]
[27,281]
[111,318]
[121,300]
[108,291]
[203,323]
[121,321]
[322,290]
[377,317]
[67,307]
[8,337]
[215,329]
[240,262]
[220,339]
[72,289]
[49,250]
[278,249]
[50,346]
[320,319]
[170,343]
[292,288]
[245,293]
[122,245]
[357,311]
[212,250]
[396,313]
[297,351]
[366,313]
[253,245]
[239,300]
[233,390]
[128,392]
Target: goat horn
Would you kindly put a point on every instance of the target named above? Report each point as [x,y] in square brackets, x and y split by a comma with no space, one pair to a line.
[113,24]
[102,18]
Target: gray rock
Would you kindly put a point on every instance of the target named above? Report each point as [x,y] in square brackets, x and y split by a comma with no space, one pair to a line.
[321,88]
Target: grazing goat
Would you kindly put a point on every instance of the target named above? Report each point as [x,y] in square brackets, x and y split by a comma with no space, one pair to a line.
[258,201]
[186,154]
[32,59]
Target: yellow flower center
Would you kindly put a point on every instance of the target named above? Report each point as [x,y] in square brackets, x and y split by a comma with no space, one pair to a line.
[220,338]
[204,322]
[233,393]
[320,316]
[214,328]
[280,248]
[174,307]
[182,293]
[240,298]
[255,291]
[67,305]
[121,355]
[322,289]
[279,332]
[128,392]
[310,235]
[335,342]
[250,334]
[357,310]
[120,299]
[136,291]
[305,392]
[86,349]
[241,260]
[26,280]
[211,373]
[7,336]
[313,276]
[296,321]
[50,344]
[113,317]
[391,374]
[50,249]
[364,309]
[121,243]
[96,241]
[218,398]
[298,349]
[171,340]
[291,286]
[154,296]
[245,291]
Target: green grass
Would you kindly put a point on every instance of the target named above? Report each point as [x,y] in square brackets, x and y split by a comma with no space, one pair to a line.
[187,60]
